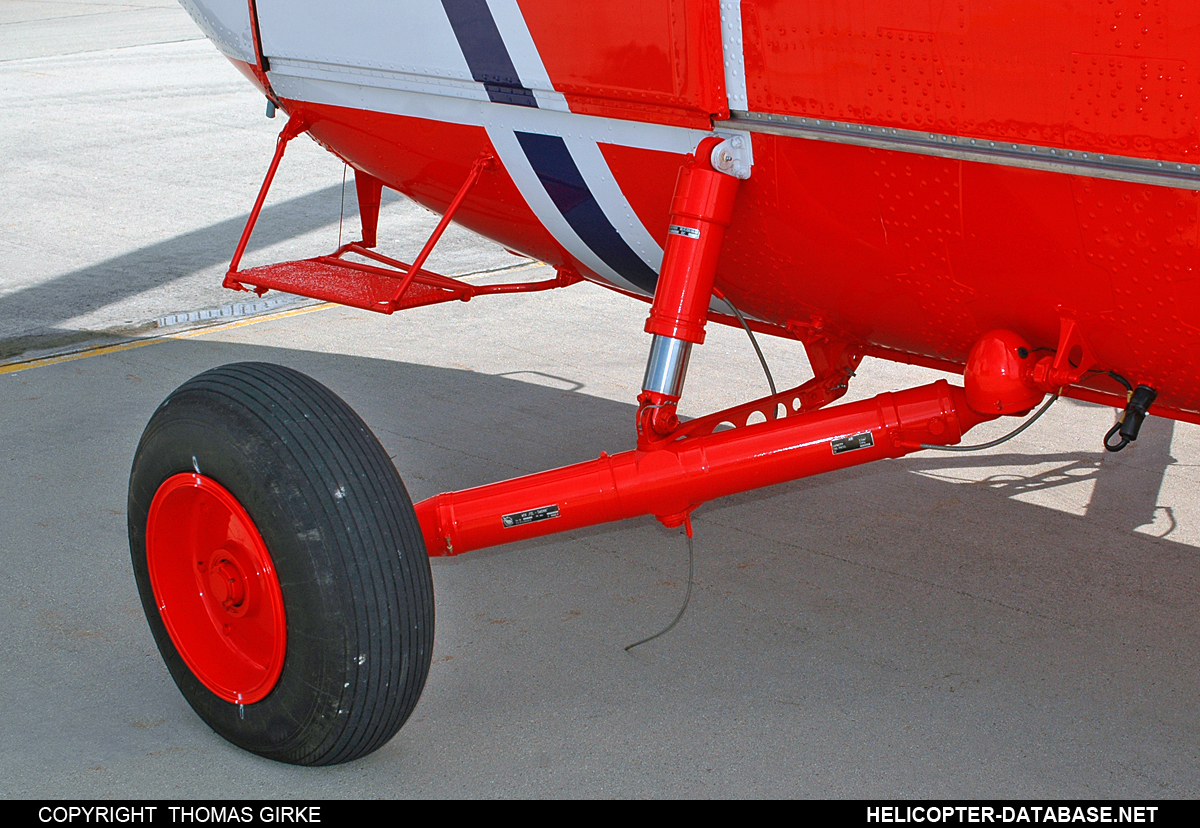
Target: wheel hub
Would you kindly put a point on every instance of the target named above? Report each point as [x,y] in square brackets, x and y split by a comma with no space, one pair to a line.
[216,588]
[227,584]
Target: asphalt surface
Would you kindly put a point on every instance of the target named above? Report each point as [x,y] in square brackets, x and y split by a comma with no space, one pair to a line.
[1017,623]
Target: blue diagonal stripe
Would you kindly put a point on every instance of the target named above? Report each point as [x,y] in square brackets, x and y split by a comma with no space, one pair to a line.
[486,55]
[556,169]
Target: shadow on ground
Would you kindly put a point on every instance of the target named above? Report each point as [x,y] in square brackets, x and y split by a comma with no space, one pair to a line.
[39,310]
[871,632]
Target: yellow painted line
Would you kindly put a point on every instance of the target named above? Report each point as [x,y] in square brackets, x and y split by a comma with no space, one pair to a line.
[13,367]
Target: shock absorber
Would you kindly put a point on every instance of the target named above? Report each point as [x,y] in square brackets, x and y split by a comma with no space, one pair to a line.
[700,213]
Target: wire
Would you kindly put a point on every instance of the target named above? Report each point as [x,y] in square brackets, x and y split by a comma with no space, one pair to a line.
[686,598]
[1116,377]
[342,210]
[1121,380]
[1000,440]
[1108,437]
[762,359]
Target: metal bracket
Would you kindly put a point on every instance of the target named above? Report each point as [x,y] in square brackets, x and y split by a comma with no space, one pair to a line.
[734,155]
[1072,359]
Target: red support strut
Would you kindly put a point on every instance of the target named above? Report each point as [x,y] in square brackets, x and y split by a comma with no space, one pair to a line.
[386,285]
[295,125]
[483,162]
[370,193]
[701,210]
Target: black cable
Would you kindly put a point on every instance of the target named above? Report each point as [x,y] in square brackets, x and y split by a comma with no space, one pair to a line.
[687,597]
[1003,439]
[342,209]
[1108,444]
[1121,380]
[1116,428]
[762,359]
[1115,376]
[1137,406]
[1120,420]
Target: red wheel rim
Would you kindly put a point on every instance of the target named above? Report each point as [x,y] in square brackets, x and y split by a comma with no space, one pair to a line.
[216,588]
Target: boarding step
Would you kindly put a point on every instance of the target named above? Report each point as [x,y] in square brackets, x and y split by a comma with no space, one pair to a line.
[348,283]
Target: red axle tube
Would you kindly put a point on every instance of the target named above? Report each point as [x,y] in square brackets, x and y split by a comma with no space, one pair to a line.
[671,481]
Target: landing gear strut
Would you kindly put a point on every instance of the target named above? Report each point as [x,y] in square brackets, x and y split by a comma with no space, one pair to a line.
[284,571]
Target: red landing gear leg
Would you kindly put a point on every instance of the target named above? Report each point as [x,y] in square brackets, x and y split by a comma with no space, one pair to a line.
[673,470]
[674,478]
[700,213]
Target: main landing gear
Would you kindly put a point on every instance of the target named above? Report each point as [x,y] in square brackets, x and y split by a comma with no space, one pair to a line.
[284,571]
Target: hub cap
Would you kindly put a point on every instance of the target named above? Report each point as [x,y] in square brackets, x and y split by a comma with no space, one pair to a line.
[216,588]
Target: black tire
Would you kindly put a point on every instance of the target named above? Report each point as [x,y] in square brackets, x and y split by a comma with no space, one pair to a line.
[346,547]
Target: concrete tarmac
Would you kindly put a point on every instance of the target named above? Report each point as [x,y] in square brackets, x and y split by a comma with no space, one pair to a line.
[1015,623]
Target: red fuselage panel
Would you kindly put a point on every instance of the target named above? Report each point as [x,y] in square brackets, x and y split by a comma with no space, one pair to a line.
[896,244]
[657,62]
[1114,76]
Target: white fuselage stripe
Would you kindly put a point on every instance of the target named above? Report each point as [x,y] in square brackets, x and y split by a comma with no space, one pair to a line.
[438,86]
[583,149]
[581,133]
[733,53]
[350,90]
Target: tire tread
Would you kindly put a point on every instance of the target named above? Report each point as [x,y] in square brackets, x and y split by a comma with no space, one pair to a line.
[374,545]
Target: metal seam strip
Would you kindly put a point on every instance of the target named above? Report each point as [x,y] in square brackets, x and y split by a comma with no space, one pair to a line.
[1005,153]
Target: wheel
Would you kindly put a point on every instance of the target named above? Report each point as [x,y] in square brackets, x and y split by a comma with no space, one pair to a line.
[280,565]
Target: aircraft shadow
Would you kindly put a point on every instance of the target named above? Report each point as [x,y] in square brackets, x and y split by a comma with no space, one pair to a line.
[1123,498]
[845,603]
[38,309]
